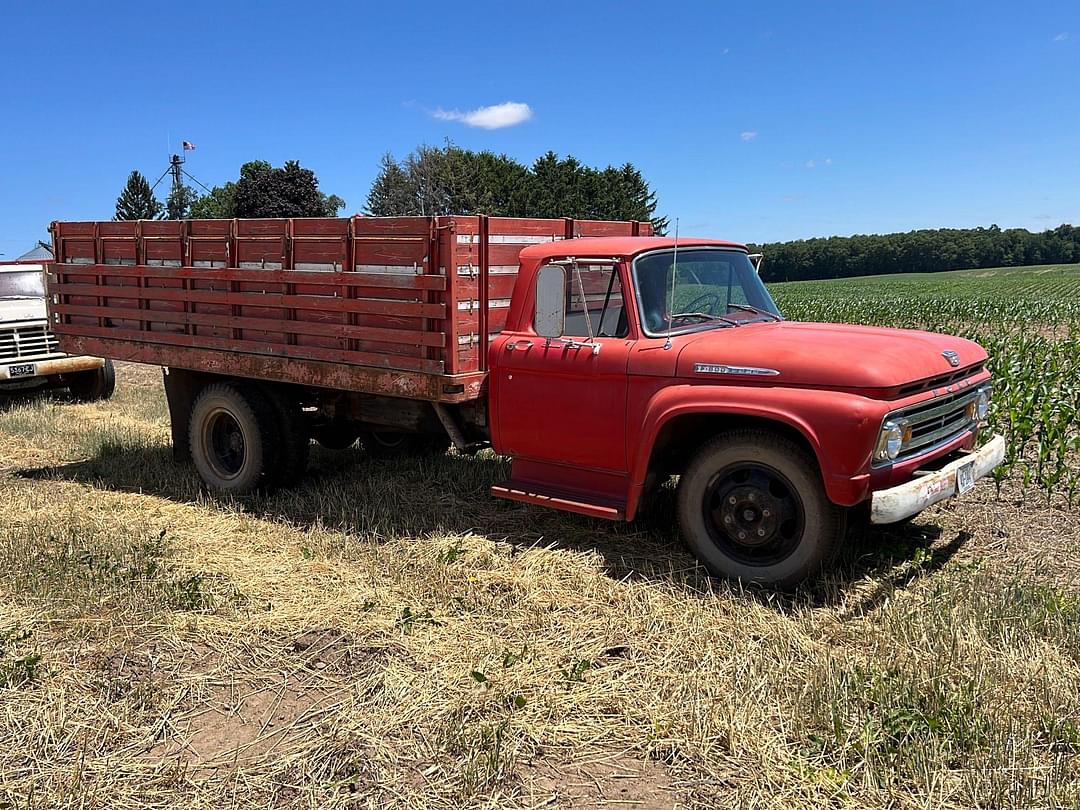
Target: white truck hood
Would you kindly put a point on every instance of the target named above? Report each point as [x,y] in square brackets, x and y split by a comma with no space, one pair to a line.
[20,310]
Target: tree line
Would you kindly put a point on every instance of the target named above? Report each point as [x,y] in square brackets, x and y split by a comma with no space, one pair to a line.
[923,251]
[429,181]
[435,180]
[262,190]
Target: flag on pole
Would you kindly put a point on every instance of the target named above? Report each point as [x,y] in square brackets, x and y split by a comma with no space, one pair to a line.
[188,145]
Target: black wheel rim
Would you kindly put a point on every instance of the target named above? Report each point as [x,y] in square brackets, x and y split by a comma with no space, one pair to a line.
[224,444]
[753,514]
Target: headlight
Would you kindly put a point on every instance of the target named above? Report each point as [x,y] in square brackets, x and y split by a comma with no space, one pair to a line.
[979,408]
[891,441]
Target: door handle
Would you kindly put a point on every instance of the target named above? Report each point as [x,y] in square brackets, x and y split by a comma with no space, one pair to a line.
[514,344]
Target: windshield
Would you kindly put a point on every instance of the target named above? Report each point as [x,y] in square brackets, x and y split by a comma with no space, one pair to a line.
[25,282]
[713,287]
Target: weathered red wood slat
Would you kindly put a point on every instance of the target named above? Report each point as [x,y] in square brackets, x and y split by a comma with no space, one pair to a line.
[373,306]
[226,275]
[405,337]
[400,361]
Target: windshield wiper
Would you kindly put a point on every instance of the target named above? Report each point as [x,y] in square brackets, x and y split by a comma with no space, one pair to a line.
[756,311]
[680,315]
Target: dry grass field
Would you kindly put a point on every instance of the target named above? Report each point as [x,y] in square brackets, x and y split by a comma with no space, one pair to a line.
[386,635]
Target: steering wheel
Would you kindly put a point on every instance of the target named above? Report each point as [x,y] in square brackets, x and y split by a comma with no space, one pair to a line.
[697,305]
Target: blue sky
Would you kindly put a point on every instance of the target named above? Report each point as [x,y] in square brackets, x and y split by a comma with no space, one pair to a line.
[753,121]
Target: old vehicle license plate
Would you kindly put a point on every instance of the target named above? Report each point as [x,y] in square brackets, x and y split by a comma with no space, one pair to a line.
[965,478]
[23,370]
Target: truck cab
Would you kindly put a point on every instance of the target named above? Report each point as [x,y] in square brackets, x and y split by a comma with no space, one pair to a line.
[30,357]
[626,361]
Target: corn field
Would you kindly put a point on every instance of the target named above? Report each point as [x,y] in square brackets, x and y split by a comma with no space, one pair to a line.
[1027,318]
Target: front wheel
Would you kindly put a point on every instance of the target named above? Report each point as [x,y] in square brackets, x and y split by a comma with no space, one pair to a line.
[752,507]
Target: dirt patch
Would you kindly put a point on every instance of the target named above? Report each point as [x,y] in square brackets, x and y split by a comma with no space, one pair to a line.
[242,723]
[615,781]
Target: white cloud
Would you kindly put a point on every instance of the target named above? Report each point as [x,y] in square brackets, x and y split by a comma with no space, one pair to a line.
[497,116]
[748,136]
[811,164]
[1064,35]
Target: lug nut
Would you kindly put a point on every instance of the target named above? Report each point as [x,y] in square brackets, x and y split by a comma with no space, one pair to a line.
[760,532]
[742,535]
[727,518]
[765,512]
[732,500]
[753,497]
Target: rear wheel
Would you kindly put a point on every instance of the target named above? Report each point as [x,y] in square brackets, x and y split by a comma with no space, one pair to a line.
[94,385]
[752,507]
[388,443]
[233,434]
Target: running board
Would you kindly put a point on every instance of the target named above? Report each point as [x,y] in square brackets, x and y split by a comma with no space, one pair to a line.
[558,499]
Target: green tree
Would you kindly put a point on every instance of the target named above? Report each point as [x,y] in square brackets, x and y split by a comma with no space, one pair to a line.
[217,204]
[263,191]
[290,191]
[451,180]
[179,202]
[137,200]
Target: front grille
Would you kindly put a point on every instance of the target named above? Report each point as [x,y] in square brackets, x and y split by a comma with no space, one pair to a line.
[28,342]
[934,423]
[938,382]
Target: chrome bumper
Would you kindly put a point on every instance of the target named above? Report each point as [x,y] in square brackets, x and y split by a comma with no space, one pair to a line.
[903,501]
[46,368]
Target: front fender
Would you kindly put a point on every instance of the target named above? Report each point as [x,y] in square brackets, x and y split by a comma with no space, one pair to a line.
[840,428]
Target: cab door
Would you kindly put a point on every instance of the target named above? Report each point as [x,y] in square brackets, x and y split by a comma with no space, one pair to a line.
[563,399]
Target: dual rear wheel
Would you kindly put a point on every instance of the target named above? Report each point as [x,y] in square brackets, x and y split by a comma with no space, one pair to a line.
[245,436]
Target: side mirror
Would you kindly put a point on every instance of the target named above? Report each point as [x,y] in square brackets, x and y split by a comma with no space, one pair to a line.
[550,315]
[756,259]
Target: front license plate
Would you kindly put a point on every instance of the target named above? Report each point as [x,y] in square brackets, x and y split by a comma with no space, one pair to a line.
[965,478]
[24,370]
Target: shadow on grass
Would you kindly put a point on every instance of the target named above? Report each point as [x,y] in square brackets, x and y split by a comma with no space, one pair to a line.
[23,397]
[378,499]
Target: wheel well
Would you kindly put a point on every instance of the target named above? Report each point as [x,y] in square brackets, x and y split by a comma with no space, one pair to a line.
[679,438]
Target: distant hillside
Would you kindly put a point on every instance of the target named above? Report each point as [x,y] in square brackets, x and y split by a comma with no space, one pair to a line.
[927,251]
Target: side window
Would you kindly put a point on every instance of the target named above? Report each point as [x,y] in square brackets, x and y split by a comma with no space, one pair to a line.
[594,295]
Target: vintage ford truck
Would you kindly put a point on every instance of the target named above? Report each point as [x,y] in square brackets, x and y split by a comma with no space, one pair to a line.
[30,358]
[601,359]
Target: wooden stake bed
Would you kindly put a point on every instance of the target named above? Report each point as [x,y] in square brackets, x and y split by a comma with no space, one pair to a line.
[401,306]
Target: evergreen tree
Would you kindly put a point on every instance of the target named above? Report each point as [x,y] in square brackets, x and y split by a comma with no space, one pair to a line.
[137,201]
[179,202]
[392,193]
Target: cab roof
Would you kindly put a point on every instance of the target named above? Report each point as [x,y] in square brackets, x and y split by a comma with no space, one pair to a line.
[617,246]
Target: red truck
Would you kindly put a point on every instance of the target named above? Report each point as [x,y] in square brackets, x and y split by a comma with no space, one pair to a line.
[601,359]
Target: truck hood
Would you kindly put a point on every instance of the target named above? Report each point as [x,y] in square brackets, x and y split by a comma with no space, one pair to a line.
[826,354]
[21,309]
